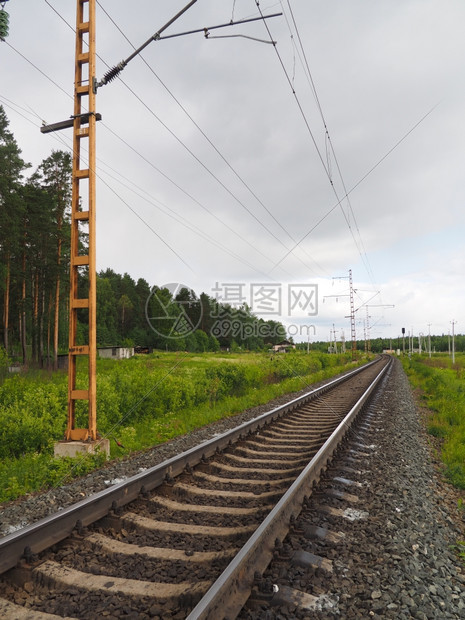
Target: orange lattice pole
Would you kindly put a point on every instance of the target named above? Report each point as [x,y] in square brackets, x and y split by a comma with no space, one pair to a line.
[83,216]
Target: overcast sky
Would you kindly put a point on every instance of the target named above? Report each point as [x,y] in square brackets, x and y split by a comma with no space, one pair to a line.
[215,168]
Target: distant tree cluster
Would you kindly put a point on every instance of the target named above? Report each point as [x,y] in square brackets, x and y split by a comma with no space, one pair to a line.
[134,313]
[439,344]
[34,249]
[34,280]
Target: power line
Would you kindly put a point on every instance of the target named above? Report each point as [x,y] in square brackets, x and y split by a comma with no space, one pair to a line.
[254,247]
[238,176]
[171,213]
[363,255]
[372,169]
[39,70]
[196,124]
[172,133]
[296,98]
[197,159]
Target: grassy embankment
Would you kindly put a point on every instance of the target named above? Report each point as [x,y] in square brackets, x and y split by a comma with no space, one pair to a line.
[442,389]
[141,402]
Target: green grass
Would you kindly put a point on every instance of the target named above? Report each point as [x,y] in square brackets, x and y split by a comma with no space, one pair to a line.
[141,402]
[442,388]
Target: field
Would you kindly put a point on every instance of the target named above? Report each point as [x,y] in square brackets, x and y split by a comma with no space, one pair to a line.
[442,388]
[141,402]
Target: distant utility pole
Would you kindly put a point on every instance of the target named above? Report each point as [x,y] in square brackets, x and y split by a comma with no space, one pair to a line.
[352,310]
[429,339]
[334,336]
[367,322]
[367,333]
[453,341]
[352,316]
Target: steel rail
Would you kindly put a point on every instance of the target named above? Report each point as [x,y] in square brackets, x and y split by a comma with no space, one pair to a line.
[50,530]
[230,591]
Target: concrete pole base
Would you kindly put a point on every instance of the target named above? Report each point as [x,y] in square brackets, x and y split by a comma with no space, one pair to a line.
[78,448]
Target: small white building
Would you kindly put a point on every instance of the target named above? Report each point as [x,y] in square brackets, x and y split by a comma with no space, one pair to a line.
[283,347]
[116,353]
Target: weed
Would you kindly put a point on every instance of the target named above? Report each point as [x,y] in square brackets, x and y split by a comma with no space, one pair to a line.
[142,402]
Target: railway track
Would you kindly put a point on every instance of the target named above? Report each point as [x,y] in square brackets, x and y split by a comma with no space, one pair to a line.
[190,537]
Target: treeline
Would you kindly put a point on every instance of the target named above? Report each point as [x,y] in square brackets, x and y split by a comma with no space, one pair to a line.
[439,344]
[34,280]
[34,250]
[134,313]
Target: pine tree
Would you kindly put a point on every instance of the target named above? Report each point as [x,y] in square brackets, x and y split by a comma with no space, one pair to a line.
[55,175]
[11,168]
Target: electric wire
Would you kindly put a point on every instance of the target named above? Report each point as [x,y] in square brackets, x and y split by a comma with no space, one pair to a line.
[296,98]
[111,189]
[228,164]
[152,230]
[191,197]
[325,166]
[347,192]
[152,201]
[180,141]
[251,245]
[182,221]
[37,68]
[204,166]
[149,199]
[339,203]
[211,213]
[372,169]
[363,253]
[328,141]
[186,147]
[15,107]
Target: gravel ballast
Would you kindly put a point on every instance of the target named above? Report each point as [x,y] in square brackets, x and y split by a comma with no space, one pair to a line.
[405,565]
[396,558]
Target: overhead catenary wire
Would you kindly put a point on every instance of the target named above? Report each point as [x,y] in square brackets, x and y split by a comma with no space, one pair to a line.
[253,246]
[372,169]
[216,149]
[174,135]
[326,165]
[347,193]
[169,212]
[299,242]
[60,139]
[212,214]
[330,147]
